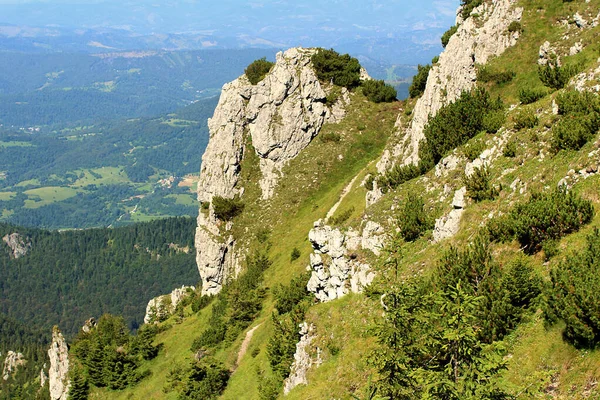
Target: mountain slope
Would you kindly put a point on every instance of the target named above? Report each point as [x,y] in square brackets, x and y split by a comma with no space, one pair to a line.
[473,304]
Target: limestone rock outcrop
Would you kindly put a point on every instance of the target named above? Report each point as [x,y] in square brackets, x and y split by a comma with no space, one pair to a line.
[18,244]
[335,269]
[303,360]
[448,225]
[12,362]
[279,116]
[58,374]
[161,307]
[475,42]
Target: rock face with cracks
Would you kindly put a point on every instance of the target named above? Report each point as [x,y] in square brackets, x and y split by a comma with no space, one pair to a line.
[279,116]
[335,270]
[58,374]
[161,307]
[475,42]
[302,359]
[12,362]
[18,244]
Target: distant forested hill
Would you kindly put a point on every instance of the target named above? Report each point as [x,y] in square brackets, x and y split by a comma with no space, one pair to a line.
[68,277]
[59,88]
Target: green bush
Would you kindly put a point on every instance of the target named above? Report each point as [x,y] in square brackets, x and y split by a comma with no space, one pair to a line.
[549,216]
[573,132]
[556,77]
[287,297]
[493,121]
[528,96]
[473,149]
[397,175]
[417,87]
[580,122]
[510,150]
[341,218]
[413,219]
[448,34]
[257,70]
[199,302]
[525,118]
[478,185]
[435,60]
[575,102]
[574,294]
[468,6]
[226,209]
[369,182]
[342,70]
[515,26]
[204,380]
[486,74]
[455,124]
[295,254]
[291,303]
[330,137]
[333,96]
[378,92]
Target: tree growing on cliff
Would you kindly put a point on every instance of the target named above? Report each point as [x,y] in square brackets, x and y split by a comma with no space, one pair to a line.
[257,70]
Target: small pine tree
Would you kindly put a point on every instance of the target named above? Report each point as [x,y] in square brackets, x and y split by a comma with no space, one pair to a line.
[574,295]
[419,82]
[413,219]
[79,388]
[478,185]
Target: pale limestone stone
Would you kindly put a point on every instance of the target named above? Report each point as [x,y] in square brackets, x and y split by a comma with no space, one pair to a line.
[58,374]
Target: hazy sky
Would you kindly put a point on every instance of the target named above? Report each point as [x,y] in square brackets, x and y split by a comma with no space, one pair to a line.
[380,16]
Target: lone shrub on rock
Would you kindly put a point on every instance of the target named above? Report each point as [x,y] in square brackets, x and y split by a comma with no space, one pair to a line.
[226,209]
[257,71]
[417,87]
[331,66]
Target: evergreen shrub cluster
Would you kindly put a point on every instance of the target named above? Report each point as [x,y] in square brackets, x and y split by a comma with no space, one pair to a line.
[478,185]
[341,70]
[257,70]
[448,34]
[226,209]
[344,70]
[451,127]
[554,76]
[236,306]
[439,336]
[291,303]
[108,356]
[414,220]
[417,87]
[580,122]
[544,217]
[378,92]
[525,119]
[528,96]
[574,294]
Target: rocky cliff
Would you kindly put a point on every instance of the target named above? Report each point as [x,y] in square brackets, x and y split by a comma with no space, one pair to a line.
[18,244]
[479,37]
[276,118]
[58,374]
[12,362]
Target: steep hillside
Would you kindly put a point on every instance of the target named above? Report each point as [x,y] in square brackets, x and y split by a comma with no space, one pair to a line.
[442,247]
